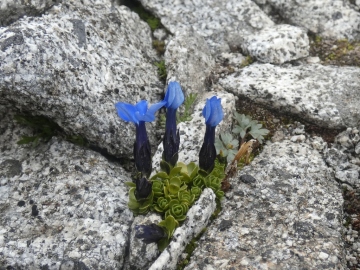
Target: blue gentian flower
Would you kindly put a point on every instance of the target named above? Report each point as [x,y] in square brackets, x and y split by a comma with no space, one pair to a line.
[174,97]
[139,114]
[213,114]
[150,233]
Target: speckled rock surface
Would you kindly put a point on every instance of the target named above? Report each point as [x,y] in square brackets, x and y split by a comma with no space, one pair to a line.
[324,95]
[142,255]
[196,219]
[62,206]
[74,63]
[11,10]
[192,132]
[284,212]
[327,18]
[344,157]
[277,44]
[221,24]
[188,61]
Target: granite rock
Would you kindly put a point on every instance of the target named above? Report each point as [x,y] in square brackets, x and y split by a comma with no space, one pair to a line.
[62,206]
[197,219]
[324,95]
[142,255]
[288,217]
[74,63]
[327,18]
[277,44]
[344,158]
[11,10]
[222,25]
[188,61]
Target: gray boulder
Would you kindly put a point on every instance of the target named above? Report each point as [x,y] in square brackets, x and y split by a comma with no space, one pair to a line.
[277,44]
[221,24]
[73,64]
[327,18]
[324,95]
[62,206]
[11,10]
[188,61]
[284,212]
[344,157]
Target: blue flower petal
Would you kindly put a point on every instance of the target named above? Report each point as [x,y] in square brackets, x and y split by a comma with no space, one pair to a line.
[213,112]
[174,96]
[141,107]
[155,107]
[126,112]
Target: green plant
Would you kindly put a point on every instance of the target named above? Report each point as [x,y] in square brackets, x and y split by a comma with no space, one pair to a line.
[44,130]
[43,127]
[247,126]
[248,61]
[161,69]
[145,15]
[189,102]
[226,146]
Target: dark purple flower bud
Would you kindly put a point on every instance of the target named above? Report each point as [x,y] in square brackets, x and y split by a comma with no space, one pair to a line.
[207,154]
[171,140]
[150,233]
[142,150]
[143,188]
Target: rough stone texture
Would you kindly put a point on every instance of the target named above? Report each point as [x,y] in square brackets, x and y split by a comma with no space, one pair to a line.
[277,44]
[73,64]
[287,217]
[192,132]
[142,255]
[188,61]
[221,24]
[327,18]
[11,10]
[325,95]
[61,205]
[197,219]
[343,156]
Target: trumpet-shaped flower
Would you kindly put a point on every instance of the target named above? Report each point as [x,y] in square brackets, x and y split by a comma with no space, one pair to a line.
[213,114]
[139,114]
[174,97]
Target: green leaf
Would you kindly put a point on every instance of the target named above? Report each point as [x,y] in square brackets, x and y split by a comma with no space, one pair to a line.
[130,184]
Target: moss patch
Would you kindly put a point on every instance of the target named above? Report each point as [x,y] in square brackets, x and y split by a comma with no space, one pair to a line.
[144,14]
[335,52]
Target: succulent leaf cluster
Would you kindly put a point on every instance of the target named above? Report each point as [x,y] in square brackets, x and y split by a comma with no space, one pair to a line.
[246,125]
[227,146]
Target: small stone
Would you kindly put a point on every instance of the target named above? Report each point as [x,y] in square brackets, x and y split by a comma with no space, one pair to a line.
[323,255]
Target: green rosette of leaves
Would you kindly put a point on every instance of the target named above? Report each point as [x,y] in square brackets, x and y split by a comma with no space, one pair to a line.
[196,191]
[198,181]
[188,172]
[158,188]
[172,186]
[162,204]
[139,207]
[177,209]
[186,197]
